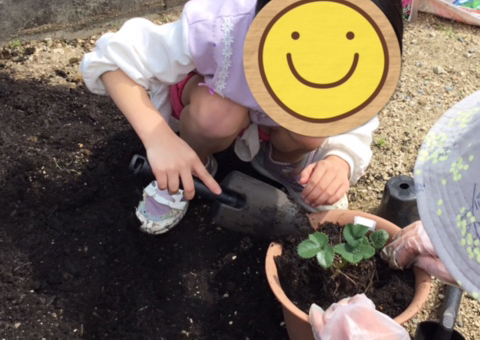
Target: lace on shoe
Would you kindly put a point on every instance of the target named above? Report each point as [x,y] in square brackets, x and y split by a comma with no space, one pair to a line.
[159,211]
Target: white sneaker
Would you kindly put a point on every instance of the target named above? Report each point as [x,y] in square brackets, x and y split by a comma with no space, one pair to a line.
[159,211]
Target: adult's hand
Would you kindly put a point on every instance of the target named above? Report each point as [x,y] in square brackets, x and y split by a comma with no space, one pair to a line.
[412,246]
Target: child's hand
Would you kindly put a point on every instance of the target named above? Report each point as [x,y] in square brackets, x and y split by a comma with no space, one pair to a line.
[325,181]
[172,160]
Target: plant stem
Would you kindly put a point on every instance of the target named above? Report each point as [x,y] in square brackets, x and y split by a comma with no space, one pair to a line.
[374,271]
[348,277]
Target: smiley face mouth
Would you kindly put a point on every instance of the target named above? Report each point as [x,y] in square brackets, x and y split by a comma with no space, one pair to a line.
[318,85]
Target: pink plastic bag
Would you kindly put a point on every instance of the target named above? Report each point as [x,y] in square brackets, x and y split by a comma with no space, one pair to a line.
[354,318]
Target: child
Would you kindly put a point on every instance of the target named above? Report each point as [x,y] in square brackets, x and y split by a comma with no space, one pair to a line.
[188,75]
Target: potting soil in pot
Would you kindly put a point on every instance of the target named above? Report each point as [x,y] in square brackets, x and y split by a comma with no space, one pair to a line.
[305,282]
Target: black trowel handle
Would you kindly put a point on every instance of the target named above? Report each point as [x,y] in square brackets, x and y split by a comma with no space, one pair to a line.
[139,166]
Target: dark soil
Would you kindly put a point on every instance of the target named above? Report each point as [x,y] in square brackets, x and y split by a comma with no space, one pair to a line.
[305,282]
[74,264]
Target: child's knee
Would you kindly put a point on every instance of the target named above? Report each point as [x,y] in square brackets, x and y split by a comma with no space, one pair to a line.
[218,117]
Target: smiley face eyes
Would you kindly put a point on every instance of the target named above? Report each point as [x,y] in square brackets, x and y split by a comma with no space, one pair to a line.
[350,35]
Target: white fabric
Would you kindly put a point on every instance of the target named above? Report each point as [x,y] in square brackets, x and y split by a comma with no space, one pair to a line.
[159,56]
[153,56]
[248,145]
[354,148]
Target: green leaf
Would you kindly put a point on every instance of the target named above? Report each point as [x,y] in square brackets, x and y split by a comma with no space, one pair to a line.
[319,238]
[367,251]
[354,233]
[308,249]
[379,238]
[349,253]
[326,256]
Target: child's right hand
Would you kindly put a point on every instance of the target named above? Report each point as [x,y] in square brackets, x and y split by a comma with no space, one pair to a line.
[173,162]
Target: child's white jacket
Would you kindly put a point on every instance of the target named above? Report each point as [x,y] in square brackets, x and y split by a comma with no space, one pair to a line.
[208,38]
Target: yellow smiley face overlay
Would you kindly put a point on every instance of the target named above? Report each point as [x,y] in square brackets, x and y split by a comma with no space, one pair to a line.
[322,67]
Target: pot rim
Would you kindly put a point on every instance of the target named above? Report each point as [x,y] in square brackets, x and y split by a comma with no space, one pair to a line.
[422,279]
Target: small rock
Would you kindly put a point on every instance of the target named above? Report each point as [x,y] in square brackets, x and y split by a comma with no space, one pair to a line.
[60,51]
[438,70]
[61,73]
[433,34]
[29,50]
[73,60]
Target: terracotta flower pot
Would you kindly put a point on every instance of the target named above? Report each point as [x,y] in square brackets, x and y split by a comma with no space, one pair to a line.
[296,320]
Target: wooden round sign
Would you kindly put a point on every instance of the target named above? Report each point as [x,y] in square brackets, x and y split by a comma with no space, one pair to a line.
[321,67]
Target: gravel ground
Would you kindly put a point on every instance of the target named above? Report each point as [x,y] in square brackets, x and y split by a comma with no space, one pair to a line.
[440,67]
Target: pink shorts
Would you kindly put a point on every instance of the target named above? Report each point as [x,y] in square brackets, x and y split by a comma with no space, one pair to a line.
[177,105]
[176,96]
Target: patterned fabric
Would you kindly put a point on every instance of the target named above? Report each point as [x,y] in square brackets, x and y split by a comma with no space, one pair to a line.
[217,31]
[447,180]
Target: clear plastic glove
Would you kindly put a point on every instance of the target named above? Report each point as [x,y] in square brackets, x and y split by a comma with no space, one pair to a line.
[354,319]
[412,246]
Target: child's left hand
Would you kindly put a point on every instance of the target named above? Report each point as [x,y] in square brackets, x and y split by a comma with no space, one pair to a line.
[325,181]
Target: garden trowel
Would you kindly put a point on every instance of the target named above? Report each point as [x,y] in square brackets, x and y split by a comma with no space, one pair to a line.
[246,204]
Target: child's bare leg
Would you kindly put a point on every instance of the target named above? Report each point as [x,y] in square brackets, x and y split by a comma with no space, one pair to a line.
[209,123]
